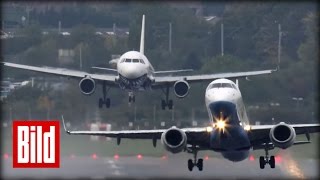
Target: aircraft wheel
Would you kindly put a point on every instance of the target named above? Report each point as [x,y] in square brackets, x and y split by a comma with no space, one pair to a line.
[100,102]
[272,162]
[190,165]
[170,104]
[108,103]
[133,98]
[200,164]
[262,162]
[163,104]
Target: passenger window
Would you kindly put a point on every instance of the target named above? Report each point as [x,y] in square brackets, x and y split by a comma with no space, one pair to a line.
[135,60]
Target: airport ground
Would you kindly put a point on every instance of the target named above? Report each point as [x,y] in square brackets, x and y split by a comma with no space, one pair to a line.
[83,158]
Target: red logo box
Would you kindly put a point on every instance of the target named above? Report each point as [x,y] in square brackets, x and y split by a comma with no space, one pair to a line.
[36,144]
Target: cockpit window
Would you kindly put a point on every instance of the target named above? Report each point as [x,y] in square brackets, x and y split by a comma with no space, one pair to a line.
[222,85]
[128,60]
[234,86]
[141,61]
[135,60]
[226,85]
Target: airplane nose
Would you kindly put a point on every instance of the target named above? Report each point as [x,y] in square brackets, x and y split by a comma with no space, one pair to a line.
[132,72]
[219,95]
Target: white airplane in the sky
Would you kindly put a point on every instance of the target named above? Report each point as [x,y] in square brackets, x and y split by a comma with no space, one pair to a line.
[231,133]
[135,73]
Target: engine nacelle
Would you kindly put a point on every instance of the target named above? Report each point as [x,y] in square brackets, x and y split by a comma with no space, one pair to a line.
[87,85]
[181,89]
[282,135]
[174,140]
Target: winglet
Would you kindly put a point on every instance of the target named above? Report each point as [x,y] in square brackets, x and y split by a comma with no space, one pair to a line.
[64,125]
[142,36]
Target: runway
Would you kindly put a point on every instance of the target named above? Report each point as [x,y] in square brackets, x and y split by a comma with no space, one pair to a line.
[172,166]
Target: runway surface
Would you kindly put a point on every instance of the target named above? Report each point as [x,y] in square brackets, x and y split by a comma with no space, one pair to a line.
[172,166]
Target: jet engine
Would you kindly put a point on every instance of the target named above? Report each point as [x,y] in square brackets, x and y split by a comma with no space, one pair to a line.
[282,135]
[87,85]
[174,140]
[181,89]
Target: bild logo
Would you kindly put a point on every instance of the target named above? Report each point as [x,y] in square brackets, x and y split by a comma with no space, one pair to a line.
[36,144]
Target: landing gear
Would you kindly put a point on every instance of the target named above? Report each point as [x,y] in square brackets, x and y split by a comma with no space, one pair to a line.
[266,160]
[132,97]
[166,102]
[104,100]
[193,163]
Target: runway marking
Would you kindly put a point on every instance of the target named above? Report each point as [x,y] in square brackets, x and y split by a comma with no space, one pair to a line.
[113,166]
[117,173]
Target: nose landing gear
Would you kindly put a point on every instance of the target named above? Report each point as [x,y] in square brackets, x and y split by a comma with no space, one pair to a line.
[132,97]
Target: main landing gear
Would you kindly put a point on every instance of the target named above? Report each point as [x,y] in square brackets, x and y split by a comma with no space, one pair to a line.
[167,102]
[132,97]
[104,100]
[193,163]
[264,160]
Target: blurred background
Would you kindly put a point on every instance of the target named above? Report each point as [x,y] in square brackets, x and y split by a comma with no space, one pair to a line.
[207,37]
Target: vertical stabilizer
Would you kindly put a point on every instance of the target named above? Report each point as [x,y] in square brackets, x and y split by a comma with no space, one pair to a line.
[142,36]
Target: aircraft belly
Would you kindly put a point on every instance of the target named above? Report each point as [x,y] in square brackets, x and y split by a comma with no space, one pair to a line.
[233,143]
[138,84]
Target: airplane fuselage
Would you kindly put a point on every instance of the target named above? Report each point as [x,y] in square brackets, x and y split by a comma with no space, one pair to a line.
[135,73]
[225,107]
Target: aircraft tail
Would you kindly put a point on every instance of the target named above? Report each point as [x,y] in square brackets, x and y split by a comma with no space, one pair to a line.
[142,36]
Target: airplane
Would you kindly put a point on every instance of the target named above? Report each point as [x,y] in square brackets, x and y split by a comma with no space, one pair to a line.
[135,73]
[230,132]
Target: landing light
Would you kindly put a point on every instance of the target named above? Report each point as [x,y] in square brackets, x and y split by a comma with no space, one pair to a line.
[6,156]
[247,127]
[221,124]
[94,156]
[116,156]
[209,129]
[139,156]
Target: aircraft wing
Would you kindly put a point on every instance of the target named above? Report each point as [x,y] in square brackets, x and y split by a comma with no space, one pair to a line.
[259,134]
[209,77]
[198,136]
[63,72]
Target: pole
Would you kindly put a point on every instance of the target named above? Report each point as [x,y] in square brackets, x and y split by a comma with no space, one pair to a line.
[279,46]
[222,45]
[135,113]
[59,27]
[80,56]
[154,116]
[172,115]
[170,37]
[29,113]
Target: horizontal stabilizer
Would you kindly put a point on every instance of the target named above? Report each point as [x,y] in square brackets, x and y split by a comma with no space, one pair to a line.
[114,61]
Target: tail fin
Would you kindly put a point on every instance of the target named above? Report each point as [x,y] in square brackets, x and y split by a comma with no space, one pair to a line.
[142,36]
